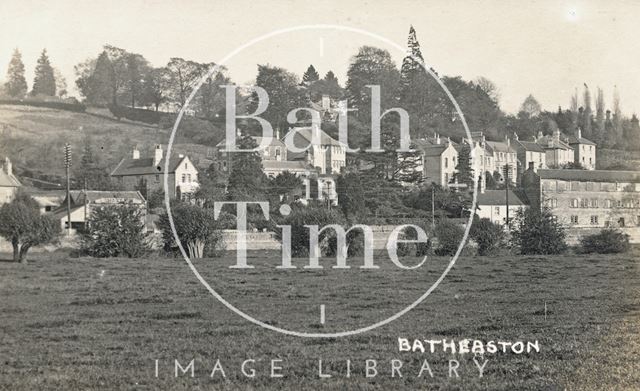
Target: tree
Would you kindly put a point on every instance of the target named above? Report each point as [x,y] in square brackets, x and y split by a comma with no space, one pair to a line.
[44,81]
[489,88]
[116,231]
[300,217]
[371,66]
[90,174]
[538,232]
[599,130]
[154,87]
[61,83]
[310,76]
[99,85]
[246,180]
[488,235]
[284,186]
[16,85]
[136,67]
[327,86]
[182,76]
[196,228]
[351,196]
[585,121]
[449,236]
[22,225]
[530,106]
[617,135]
[464,172]
[607,241]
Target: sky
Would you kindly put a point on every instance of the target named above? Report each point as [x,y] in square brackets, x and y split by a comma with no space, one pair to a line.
[544,48]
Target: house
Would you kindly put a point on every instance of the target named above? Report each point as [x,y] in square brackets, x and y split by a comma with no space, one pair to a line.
[83,203]
[584,151]
[503,155]
[558,153]
[587,198]
[326,154]
[147,174]
[528,152]
[275,151]
[439,159]
[9,184]
[482,160]
[492,204]
[47,200]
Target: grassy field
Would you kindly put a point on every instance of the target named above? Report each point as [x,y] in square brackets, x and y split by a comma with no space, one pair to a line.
[88,323]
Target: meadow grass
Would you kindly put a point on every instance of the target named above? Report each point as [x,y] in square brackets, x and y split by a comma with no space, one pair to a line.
[83,323]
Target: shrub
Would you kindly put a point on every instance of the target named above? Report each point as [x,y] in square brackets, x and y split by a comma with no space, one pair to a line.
[488,235]
[76,107]
[310,215]
[538,232]
[607,241]
[196,228]
[133,114]
[449,237]
[116,231]
[22,225]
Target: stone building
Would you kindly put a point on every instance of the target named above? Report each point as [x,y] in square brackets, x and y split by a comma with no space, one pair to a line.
[147,174]
[439,160]
[584,151]
[9,184]
[586,198]
[558,153]
[492,204]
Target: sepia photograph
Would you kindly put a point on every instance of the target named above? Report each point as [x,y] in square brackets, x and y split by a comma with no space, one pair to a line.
[336,195]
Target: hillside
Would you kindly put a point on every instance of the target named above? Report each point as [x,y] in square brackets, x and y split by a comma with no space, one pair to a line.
[34,138]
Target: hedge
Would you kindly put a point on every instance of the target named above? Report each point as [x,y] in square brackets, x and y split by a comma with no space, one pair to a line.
[76,107]
[141,115]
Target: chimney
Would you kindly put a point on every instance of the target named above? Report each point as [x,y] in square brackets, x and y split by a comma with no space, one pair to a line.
[7,168]
[530,166]
[157,155]
[136,153]
[438,139]
[326,102]
[556,134]
[608,115]
[515,136]
[278,134]
[579,133]
[539,134]
[448,140]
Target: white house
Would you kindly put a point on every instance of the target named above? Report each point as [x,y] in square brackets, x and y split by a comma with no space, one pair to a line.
[492,204]
[9,184]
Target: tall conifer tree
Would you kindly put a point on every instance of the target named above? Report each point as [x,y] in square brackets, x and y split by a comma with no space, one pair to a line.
[44,81]
[16,85]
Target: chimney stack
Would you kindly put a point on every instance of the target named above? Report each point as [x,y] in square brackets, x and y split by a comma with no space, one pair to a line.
[136,153]
[157,157]
[579,133]
[7,168]
[438,139]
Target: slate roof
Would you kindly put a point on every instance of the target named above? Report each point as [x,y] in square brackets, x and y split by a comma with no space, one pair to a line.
[7,180]
[145,166]
[434,150]
[286,165]
[581,140]
[530,146]
[325,139]
[544,142]
[498,197]
[591,175]
[499,146]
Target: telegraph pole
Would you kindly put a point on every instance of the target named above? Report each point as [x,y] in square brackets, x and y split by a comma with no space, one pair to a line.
[506,181]
[67,164]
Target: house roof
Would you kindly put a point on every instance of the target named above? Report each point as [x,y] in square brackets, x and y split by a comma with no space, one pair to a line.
[579,140]
[287,165]
[591,175]
[145,166]
[530,146]
[274,141]
[498,197]
[550,142]
[307,133]
[434,150]
[499,146]
[7,180]
[93,196]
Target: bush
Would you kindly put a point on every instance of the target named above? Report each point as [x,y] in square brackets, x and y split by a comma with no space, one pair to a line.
[449,237]
[301,216]
[488,235]
[141,115]
[538,232]
[607,241]
[76,107]
[116,231]
[196,228]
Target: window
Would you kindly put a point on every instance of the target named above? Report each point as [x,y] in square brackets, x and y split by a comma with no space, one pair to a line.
[619,204]
[446,177]
[590,161]
[574,203]
[497,208]
[620,222]
[184,178]
[607,204]
[584,203]
[157,178]
[446,162]
[593,202]
[186,166]
[574,219]
[638,221]
[594,220]
[189,178]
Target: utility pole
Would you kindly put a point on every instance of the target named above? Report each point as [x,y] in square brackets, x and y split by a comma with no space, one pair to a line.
[67,164]
[506,181]
[433,207]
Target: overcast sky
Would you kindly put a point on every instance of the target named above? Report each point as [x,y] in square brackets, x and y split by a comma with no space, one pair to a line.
[546,48]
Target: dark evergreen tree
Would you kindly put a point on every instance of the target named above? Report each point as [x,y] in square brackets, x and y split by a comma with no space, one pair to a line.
[464,173]
[100,88]
[44,81]
[247,181]
[310,76]
[351,196]
[16,85]
[587,113]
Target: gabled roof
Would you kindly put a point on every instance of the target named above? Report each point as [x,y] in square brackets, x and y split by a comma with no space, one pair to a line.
[435,150]
[7,180]
[579,140]
[530,146]
[145,166]
[498,197]
[306,132]
[499,147]
[258,140]
[96,196]
[591,175]
[549,142]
